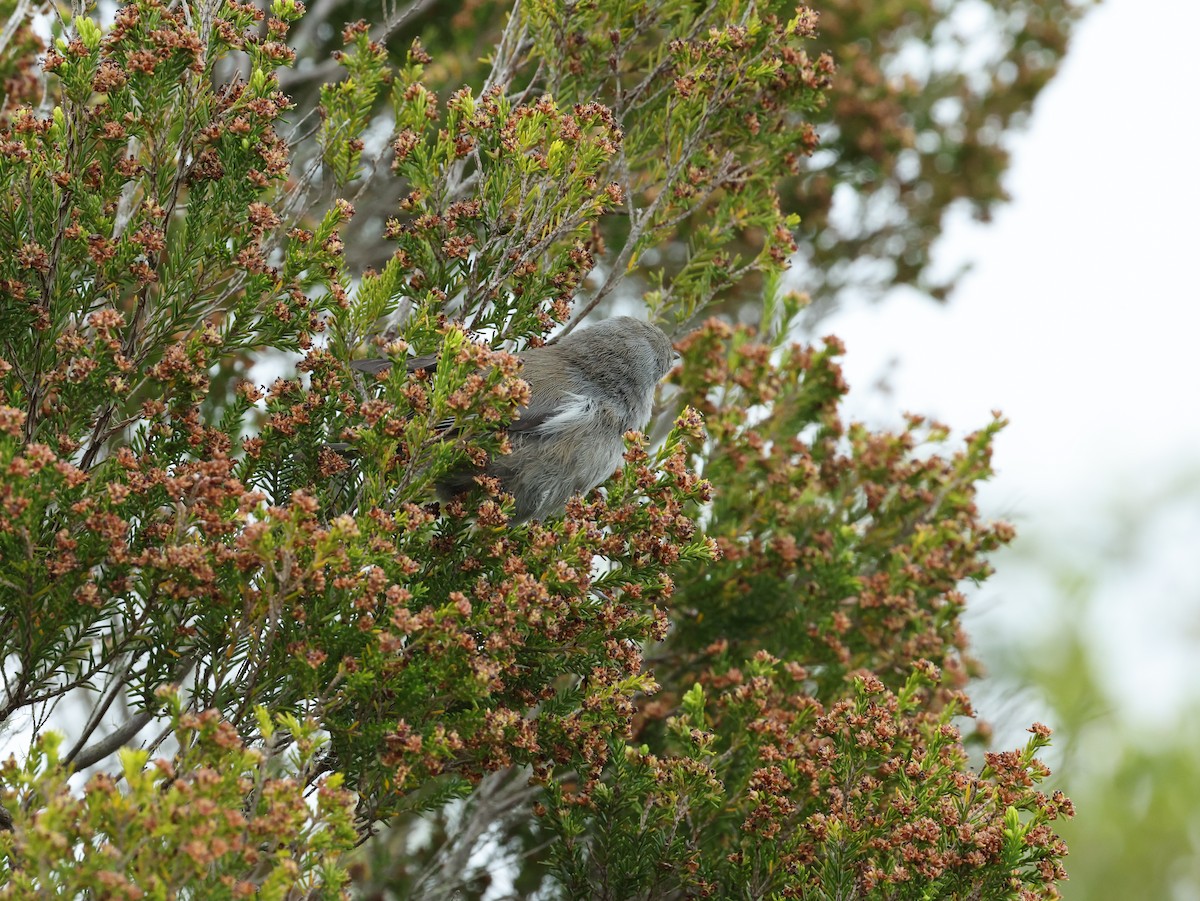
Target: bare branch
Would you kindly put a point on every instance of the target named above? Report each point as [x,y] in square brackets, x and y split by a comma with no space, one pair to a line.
[114,740]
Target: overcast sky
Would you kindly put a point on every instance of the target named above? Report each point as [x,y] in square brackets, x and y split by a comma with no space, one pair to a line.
[1080,323]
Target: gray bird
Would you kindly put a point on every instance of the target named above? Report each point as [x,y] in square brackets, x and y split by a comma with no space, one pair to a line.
[586,392]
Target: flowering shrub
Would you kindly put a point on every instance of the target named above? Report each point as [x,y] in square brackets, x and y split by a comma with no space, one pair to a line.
[235,608]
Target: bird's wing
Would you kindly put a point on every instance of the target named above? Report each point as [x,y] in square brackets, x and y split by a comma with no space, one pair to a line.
[376,365]
[552,407]
[373,366]
[546,416]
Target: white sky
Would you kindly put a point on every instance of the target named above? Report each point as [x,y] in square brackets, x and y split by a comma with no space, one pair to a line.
[1080,323]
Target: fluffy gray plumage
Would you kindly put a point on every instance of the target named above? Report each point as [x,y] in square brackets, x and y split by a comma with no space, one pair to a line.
[587,391]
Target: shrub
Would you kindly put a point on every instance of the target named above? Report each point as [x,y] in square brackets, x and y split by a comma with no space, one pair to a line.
[731,673]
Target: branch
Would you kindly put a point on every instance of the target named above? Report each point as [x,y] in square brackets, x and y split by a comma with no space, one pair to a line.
[113,740]
[127,730]
[512,42]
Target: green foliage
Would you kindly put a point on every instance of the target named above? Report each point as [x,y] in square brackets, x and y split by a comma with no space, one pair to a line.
[219,820]
[256,576]
[840,547]
[913,123]
[346,105]
[764,793]
[709,99]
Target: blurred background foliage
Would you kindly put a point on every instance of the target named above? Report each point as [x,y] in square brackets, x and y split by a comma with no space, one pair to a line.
[1061,631]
